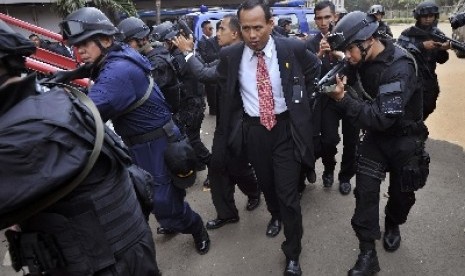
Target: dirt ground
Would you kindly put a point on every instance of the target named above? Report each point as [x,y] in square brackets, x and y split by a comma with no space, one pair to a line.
[433,240]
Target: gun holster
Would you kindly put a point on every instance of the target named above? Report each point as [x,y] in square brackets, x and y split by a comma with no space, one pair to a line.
[38,252]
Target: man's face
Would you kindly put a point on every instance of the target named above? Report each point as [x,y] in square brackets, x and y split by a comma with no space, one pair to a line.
[224,34]
[323,19]
[379,16]
[89,51]
[133,43]
[208,30]
[36,41]
[353,54]
[255,28]
[287,27]
[427,19]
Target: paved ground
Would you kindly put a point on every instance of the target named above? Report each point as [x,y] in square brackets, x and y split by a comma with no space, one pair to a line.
[433,238]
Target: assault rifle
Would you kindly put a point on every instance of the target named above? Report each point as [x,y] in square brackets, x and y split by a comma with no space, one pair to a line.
[330,77]
[437,36]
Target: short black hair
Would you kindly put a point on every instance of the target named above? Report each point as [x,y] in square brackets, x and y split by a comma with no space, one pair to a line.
[33,35]
[250,4]
[233,22]
[205,23]
[324,4]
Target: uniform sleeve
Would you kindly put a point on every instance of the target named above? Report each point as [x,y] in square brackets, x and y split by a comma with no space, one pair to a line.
[311,70]
[35,159]
[202,71]
[396,89]
[116,87]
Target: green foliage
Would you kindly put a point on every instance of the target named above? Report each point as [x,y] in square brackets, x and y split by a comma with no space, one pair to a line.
[110,7]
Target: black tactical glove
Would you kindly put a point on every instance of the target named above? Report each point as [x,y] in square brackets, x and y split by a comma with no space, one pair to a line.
[457,21]
[67,76]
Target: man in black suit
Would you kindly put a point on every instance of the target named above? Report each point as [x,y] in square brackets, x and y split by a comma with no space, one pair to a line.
[266,112]
[209,49]
[238,170]
[327,113]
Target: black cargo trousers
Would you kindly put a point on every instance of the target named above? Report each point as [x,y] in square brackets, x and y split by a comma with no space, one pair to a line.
[401,156]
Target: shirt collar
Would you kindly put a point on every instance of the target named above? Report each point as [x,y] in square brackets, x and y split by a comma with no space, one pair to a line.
[268,50]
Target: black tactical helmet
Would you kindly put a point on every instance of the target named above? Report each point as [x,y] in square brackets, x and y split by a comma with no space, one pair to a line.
[165,31]
[133,27]
[13,43]
[376,9]
[84,23]
[425,8]
[356,26]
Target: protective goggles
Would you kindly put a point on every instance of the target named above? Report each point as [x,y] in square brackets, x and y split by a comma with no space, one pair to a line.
[74,28]
[428,10]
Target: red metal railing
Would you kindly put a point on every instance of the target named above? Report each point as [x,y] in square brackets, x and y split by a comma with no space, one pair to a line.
[42,60]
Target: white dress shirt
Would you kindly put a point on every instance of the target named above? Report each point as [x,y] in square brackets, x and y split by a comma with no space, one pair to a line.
[248,79]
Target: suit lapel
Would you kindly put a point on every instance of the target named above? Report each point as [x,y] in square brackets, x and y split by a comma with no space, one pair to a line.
[285,61]
[234,63]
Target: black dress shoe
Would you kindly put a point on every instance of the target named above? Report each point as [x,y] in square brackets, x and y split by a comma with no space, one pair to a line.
[165,231]
[311,176]
[367,264]
[391,239]
[292,268]
[273,228]
[202,241]
[345,187]
[252,203]
[328,179]
[218,222]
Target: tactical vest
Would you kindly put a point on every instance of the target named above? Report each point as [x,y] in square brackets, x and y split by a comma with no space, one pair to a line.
[101,218]
[172,91]
[414,107]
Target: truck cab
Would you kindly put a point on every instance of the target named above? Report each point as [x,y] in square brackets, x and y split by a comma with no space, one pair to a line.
[302,19]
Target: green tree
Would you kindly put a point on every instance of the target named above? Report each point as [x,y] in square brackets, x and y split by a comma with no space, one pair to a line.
[111,8]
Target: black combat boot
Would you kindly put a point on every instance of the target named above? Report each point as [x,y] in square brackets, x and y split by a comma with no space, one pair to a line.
[367,264]
[391,238]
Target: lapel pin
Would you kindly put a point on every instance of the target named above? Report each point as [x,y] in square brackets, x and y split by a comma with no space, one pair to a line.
[287,65]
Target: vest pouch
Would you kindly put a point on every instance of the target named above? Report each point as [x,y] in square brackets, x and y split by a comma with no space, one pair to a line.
[143,184]
[70,240]
[415,172]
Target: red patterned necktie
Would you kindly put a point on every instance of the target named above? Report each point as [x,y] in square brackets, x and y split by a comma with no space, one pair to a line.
[265,93]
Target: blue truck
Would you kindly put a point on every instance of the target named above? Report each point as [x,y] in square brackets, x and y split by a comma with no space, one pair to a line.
[302,19]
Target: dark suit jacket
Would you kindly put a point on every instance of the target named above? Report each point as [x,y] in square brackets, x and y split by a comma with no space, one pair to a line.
[294,61]
[208,48]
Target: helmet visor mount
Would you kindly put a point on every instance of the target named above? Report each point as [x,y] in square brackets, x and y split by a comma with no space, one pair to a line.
[339,41]
[74,28]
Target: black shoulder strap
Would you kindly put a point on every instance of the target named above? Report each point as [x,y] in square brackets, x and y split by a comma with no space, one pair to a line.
[48,200]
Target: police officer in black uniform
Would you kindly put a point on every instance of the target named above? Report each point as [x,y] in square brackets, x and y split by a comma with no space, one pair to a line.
[76,212]
[379,12]
[426,51]
[136,33]
[391,116]
[192,107]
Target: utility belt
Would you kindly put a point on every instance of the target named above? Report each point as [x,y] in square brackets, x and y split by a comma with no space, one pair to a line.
[409,128]
[256,120]
[166,130]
